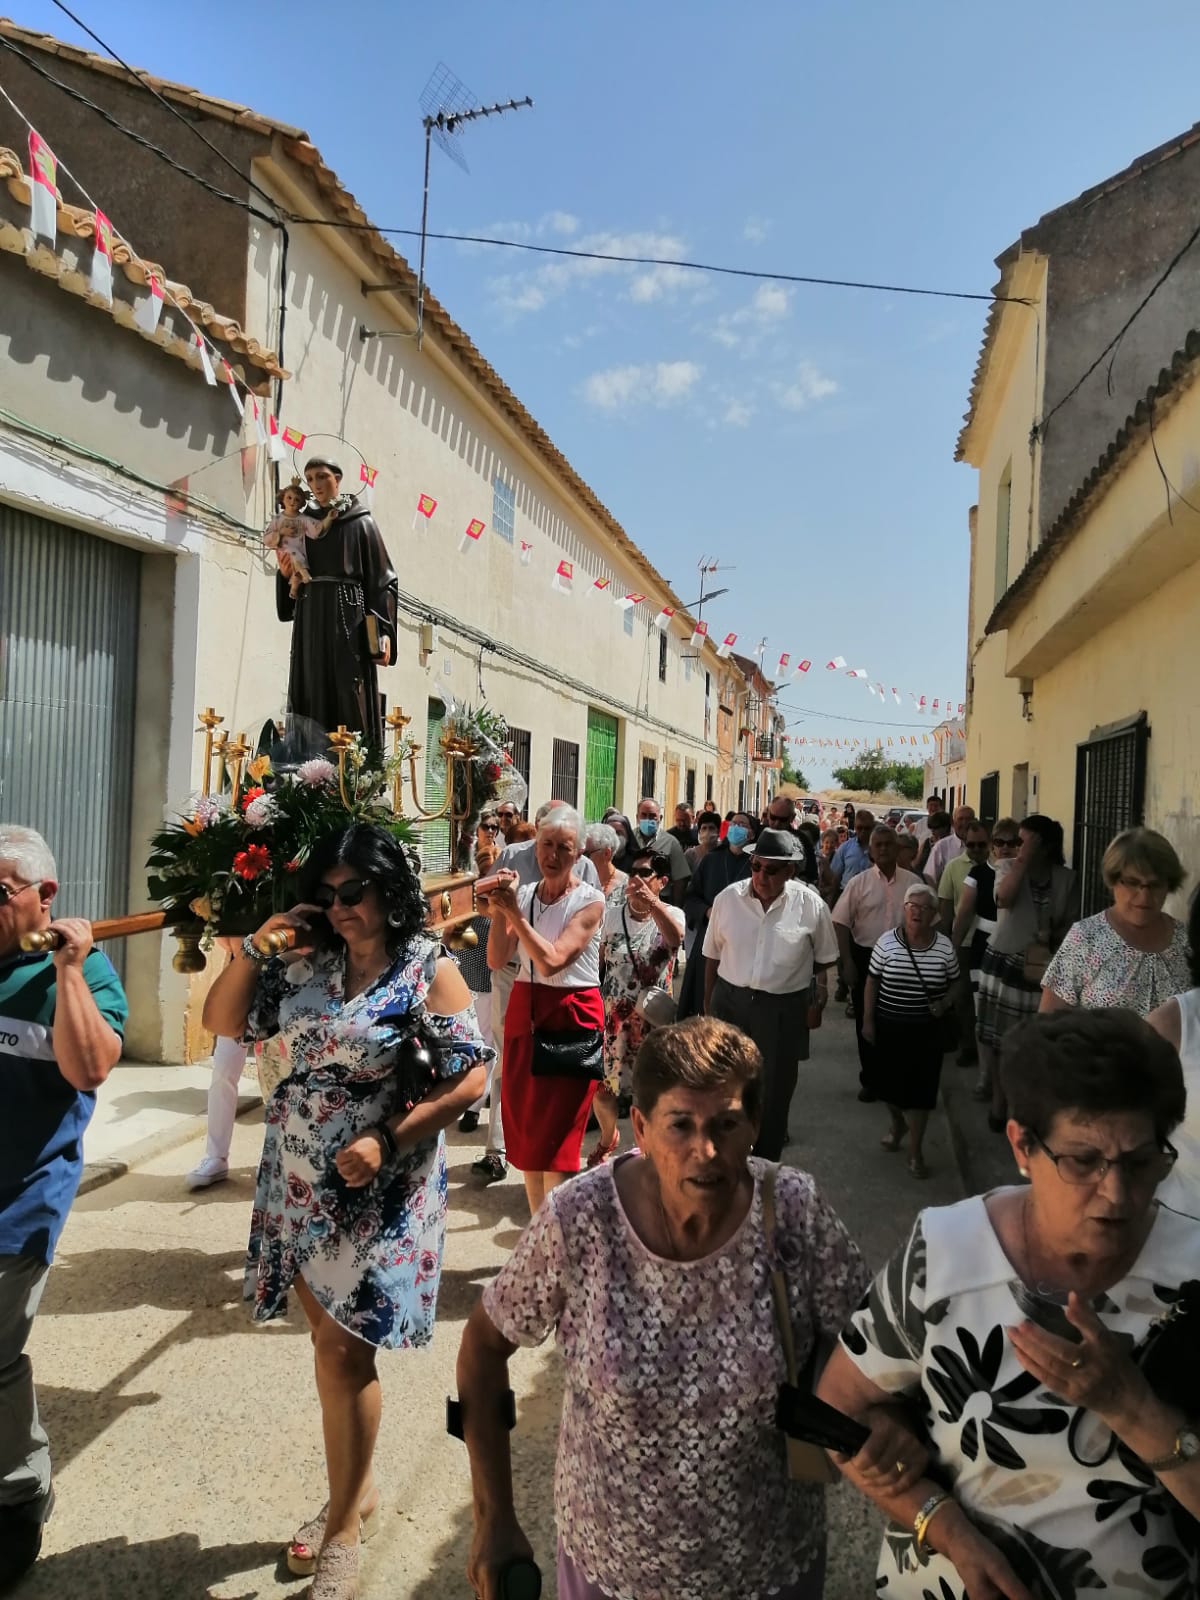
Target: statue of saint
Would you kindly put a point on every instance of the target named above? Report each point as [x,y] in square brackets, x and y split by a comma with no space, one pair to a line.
[344,619]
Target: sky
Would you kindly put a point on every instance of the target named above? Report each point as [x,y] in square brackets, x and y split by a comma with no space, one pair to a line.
[803,437]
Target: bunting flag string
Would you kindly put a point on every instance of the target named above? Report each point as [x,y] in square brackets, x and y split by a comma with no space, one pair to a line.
[564,577]
[102,259]
[726,646]
[526,553]
[663,620]
[699,634]
[43,189]
[472,534]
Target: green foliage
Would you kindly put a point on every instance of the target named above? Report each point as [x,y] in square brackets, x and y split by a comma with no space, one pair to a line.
[908,779]
[790,774]
[874,773]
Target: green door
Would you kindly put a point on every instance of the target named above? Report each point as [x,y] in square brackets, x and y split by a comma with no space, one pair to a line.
[600,788]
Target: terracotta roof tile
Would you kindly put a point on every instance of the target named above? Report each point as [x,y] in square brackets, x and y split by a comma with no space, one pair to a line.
[1172,384]
[76,222]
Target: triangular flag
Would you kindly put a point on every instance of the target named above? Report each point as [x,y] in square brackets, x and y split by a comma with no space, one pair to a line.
[857,672]
[836,665]
[803,666]
[259,427]
[627,601]
[921,705]
[564,577]
[367,477]
[599,585]
[274,442]
[663,620]
[896,696]
[294,438]
[149,309]
[935,705]
[472,533]
[726,645]
[206,366]
[961,708]
[426,506]
[227,370]
[526,552]
[699,633]
[102,258]
[783,661]
[43,189]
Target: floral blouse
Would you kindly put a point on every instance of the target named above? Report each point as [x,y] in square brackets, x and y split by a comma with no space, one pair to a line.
[371,1256]
[1094,966]
[1070,1507]
[671,1481]
[631,966]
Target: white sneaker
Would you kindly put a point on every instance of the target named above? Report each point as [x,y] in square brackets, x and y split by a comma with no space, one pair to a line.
[211,1170]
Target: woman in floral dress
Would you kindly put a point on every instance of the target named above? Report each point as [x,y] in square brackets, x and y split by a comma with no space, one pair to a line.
[639,939]
[1017,1324]
[350,1207]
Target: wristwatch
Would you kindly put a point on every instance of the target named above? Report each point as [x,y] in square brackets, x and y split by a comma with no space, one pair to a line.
[1187,1448]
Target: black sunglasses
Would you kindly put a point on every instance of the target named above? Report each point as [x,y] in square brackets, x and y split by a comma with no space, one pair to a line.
[349,893]
[642,872]
[489,827]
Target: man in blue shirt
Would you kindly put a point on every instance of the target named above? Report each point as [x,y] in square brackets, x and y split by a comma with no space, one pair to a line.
[854,856]
[61,1022]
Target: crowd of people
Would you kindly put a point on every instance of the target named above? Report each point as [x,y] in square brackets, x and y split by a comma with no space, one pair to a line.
[1018,1382]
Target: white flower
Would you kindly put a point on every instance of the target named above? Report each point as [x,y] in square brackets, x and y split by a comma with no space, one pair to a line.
[316,771]
[259,813]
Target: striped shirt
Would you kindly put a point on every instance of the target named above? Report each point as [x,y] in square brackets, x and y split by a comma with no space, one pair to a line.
[901,994]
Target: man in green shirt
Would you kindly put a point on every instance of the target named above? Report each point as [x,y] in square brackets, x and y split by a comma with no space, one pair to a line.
[61,1022]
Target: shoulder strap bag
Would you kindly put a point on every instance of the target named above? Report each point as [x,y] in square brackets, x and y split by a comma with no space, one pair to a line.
[809,1425]
[565,1052]
[941,1009]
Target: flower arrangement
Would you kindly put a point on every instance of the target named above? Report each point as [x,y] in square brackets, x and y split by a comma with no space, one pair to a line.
[231,865]
[492,775]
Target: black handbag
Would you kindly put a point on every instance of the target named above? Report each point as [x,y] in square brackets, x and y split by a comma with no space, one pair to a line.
[941,1010]
[576,1053]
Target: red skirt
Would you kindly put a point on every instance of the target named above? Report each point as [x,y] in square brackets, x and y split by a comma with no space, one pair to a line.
[545,1118]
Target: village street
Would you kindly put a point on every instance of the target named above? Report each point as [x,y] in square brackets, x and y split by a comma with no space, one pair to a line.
[187,1443]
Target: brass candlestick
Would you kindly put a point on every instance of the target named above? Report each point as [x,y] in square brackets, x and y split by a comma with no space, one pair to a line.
[341,741]
[220,746]
[397,722]
[236,754]
[208,720]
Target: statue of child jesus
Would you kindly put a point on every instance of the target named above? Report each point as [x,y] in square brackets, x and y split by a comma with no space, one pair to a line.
[286,533]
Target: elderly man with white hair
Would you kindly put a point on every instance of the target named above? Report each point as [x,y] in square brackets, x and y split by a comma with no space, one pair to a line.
[62,1016]
[554,1022]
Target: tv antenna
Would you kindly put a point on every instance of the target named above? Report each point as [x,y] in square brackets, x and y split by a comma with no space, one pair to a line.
[448,105]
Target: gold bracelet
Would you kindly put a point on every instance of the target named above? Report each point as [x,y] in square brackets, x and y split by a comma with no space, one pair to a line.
[926,1515]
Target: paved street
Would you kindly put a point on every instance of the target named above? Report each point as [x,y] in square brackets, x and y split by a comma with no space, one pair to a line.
[187,1442]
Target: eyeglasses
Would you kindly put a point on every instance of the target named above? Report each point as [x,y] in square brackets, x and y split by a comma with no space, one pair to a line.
[1154,886]
[1003,842]
[489,827]
[507,816]
[642,872]
[769,869]
[7,894]
[349,893]
[973,844]
[1141,1167]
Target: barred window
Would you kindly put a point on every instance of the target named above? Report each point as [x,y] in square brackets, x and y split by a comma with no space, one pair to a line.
[504,508]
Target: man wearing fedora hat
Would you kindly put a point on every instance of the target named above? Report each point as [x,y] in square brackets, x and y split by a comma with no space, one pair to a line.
[769,937]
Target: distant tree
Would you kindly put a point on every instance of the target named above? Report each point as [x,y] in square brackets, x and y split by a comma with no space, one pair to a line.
[790,774]
[870,772]
[907,778]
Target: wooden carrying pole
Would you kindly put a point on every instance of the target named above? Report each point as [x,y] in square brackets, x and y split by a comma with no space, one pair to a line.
[107,928]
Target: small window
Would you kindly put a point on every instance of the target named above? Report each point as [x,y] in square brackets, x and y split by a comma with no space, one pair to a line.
[662,656]
[689,787]
[649,778]
[504,508]
[627,619]
[564,772]
[520,747]
[1003,520]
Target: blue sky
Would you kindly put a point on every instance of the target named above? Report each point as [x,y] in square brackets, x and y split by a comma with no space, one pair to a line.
[803,436]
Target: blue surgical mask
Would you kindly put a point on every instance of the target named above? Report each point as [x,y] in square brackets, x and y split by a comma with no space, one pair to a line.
[647,827]
[736,835]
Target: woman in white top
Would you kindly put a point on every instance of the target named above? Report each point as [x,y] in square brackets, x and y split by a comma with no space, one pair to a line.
[552,927]
[1178,1020]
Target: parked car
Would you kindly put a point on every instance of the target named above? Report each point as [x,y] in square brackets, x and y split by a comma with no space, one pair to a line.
[910,819]
[811,807]
[894,816]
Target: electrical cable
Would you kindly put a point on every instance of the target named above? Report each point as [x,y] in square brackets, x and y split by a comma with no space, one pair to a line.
[826,716]
[1170,487]
[144,79]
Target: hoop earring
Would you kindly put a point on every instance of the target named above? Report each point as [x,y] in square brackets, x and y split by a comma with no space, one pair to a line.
[394,919]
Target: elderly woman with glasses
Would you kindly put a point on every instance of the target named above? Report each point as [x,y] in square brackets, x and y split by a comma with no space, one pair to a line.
[911,979]
[600,845]
[1035,1329]
[350,1208]
[552,929]
[1132,954]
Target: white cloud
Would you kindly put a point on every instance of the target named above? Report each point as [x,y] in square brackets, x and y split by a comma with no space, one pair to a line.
[554,278]
[756,229]
[738,414]
[809,385]
[769,304]
[659,383]
[657,283]
[560,222]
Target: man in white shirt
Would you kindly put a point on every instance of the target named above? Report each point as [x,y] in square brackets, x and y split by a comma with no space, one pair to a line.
[870,904]
[945,850]
[933,803]
[769,943]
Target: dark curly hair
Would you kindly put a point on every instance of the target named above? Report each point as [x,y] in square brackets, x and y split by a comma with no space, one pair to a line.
[381,859]
[1049,832]
[1094,1062]
[660,863]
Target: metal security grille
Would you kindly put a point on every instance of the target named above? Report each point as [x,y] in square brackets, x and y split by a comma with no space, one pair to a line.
[689,787]
[1110,790]
[564,772]
[989,797]
[435,836]
[520,747]
[649,779]
[68,667]
[600,776]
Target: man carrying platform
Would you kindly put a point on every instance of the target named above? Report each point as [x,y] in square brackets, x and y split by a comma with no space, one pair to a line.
[62,1017]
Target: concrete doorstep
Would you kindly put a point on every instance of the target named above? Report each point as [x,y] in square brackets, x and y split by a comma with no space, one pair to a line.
[143,1110]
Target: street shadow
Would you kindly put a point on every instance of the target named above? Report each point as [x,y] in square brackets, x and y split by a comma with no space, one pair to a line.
[98,1281]
[115,1569]
[136,1188]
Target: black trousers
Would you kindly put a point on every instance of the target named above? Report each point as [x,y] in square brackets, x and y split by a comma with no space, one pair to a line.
[778,1024]
[866,1050]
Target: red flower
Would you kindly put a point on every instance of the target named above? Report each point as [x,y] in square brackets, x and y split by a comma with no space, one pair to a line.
[492,772]
[251,862]
[293,865]
[250,796]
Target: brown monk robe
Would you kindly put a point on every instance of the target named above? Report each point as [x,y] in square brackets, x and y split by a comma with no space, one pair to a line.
[333,676]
